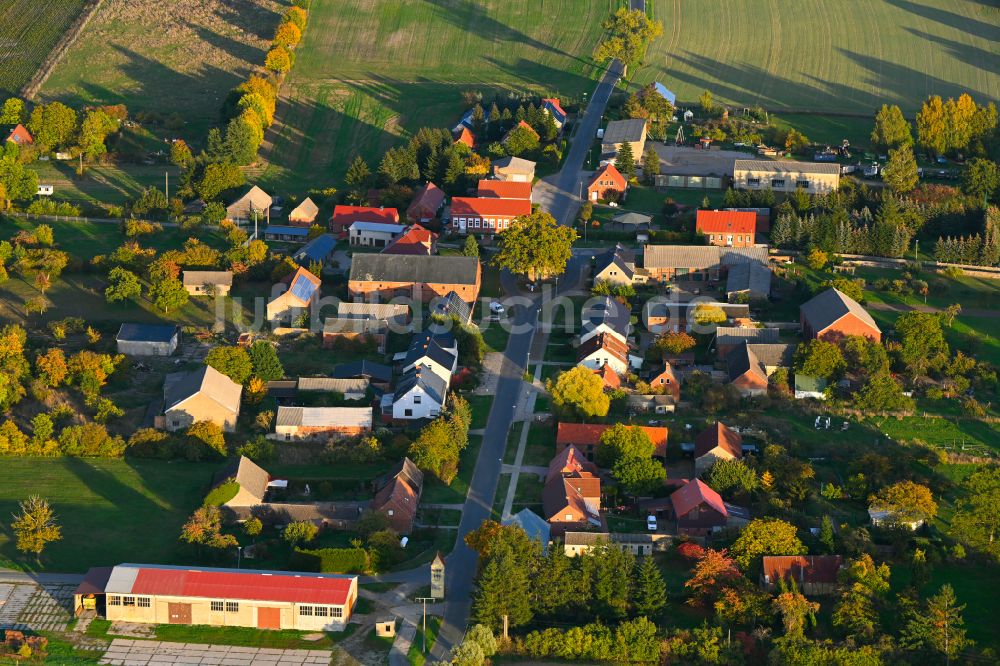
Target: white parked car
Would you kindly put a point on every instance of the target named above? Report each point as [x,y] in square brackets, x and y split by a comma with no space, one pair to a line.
[651,523]
[497,308]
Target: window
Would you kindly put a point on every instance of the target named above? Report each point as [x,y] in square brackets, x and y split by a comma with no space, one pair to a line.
[114,600]
[306,610]
[217,607]
[804,184]
[416,399]
[336,611]
[128,601]
[407,412]
[777,182]
[143,602]
[753,181]
[569,516]
[232,607]
[322,611]
[389,513]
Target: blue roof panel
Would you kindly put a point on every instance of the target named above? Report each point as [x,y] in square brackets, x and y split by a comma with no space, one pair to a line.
[303,288]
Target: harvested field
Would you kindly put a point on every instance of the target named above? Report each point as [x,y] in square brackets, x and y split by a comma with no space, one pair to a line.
[28,31]
[180,56]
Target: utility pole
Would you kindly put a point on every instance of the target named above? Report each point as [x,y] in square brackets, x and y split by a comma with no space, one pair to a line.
[505,637]
[424,600]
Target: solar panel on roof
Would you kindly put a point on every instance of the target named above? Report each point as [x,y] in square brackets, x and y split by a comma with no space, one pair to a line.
[303,288]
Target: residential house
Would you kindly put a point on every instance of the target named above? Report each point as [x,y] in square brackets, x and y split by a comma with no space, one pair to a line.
[514,168]
[253,206]
[572,494]
[533,525]
[786,176]
[304,214]
[397,495]
[719,442]
[252,479]
[606,316]
[698,509]
[812,574]
[809,387]
[651,403]
[520,125]
[303,289]
[618,132]
[667,381]
[378,375]
[750,365]
[503,189]
[207,283]
[148,339]
[697,263]
[18,134]
[396,314]
[486,215]
[464,135]
[666,94]
[186,595]
[200,395]
[344,216]
[833,315]
[763,217]
[551,106]
[286,233]
[662,316]
[616,266]
[352,388]
[578,543]
[420,394]
[884,517]
[727,228]
[604,349]
[586,436]
[608,184]
[382,277]
[609,378]
[318,250]
[426,204]
[321,423]
[417,240]
[437,353]
[728,338]
[337,329]
[374,234]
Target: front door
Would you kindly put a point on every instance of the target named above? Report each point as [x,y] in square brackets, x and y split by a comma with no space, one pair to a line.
[269,618]
[179,613]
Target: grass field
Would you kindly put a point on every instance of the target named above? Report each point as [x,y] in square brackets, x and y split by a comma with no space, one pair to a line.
[107,508]
[28,31]
[103,184]
[826,55]
[181,56]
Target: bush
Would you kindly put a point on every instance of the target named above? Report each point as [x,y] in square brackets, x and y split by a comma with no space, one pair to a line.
[330,560]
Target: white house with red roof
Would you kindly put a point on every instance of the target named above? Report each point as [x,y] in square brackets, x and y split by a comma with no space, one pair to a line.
[727,228]
[160,594]
[344,216]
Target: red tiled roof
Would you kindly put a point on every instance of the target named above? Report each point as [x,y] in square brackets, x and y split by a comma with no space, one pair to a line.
[609,376]
[417,240]
[345,216]
[465,136]
[504,189]
[428,197]
[296,588]
[520,124]
[692,494]
[584,434]
[606,172]
[607,342]
[803,568]
[726,222]
[487,207]
[719,435]
[570,461]
[17,133]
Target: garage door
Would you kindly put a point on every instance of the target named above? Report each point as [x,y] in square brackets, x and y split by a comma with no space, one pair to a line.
[269,618]
[179,613]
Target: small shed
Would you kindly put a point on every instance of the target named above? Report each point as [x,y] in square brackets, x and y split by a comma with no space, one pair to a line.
[385,627]
[147,339]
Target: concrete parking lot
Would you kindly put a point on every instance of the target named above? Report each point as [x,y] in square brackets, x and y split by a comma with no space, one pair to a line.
[142,653]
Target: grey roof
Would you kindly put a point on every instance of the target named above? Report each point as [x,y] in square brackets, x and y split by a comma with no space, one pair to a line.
[414,269]
[515,164]
[219,278]
[147,332]
[318,417]
[742,360]
[430,382]
[534,526]
[380,227]
[830,306]
[749,277]
[586,538]
[609,312]
[368,369]
[334,325]
[254,198]
[659,308]
[333,384]
[251,476]
[786,167]
[318,249]
[774,355]
[620,131]
[179,386]
[632,218]
[431,348]
[373,310]
[619,256]
[734,335]
[700,256]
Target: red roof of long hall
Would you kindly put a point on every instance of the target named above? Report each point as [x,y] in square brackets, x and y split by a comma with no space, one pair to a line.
[504,189]
[256,586]
[726,222]
[590,433]
[489,207]
[347,215]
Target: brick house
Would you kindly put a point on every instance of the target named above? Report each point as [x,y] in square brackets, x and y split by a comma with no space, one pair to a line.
[698,509]
[417,240]
[697,263]
[344,216]
[586,436]
[719,442]
[572,494]
[833,315]
[383,277]
[607,184]
[667,382]
[727,228]
[660,317]
[397,495]
[321,423]
[426,204]
[355,330]
[746,372]
[18,134]
[486,215]
[813,574]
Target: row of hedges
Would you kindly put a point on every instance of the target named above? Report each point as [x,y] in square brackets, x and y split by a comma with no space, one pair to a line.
[330,560]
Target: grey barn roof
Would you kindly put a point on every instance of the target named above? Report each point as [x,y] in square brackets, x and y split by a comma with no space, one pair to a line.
[368,369]
[219,278]
[251,476]
[700,256]
[775,354]
[620,131]
[147,332]
[786,167]
[749,277]
[830,306]
[515,164]
[534,526]
[333,384]
[741,360]
[734,335]
[414,268]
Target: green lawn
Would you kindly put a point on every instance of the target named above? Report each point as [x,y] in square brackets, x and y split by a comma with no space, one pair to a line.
[106,509]
[438,493]
[819,56]
[103,184]
[953,434]
[417,655]
[481,405]
[29,30]
[286,639]
[541,445]
[513,438]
